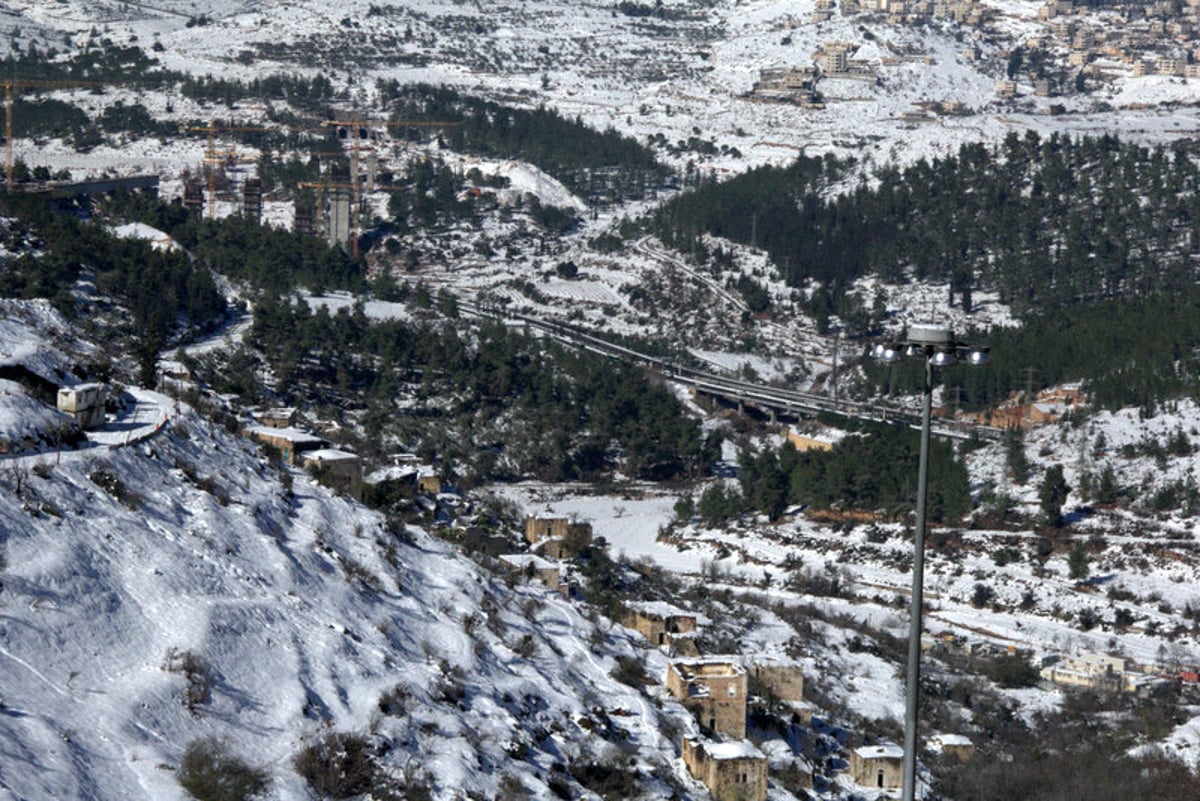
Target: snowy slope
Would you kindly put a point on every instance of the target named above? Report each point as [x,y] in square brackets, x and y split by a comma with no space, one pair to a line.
[687,74]
[33,335]
[304,607]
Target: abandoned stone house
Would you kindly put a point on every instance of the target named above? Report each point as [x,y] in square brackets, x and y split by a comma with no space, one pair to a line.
[878,766]
[661,623]
[342,468]
[429,481]
[714,690]
[781,677]
[574,535]
[278,417]
[290,442]
[956,746]
[732,771]
[565,547]
[422,478]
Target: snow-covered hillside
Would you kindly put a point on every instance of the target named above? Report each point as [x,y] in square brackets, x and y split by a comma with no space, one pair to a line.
[185,587]
[176,589]
[682,74]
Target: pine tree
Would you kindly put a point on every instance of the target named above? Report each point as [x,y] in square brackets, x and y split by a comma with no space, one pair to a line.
[1053,495]
[1014,450]
[1078,562]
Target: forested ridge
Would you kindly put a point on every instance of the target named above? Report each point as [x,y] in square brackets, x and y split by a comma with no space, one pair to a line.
[164,292]
[1045,222]
[493,403]
[1093,242]
[599,165]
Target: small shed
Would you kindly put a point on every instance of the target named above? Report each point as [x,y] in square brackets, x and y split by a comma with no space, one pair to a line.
[429,481]
[84,403]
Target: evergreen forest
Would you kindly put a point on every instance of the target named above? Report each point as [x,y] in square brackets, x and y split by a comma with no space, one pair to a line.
[1046,223]
[1139,352]
[165,293]
[489,404]
[1093,242]
[873,470]
[601,166]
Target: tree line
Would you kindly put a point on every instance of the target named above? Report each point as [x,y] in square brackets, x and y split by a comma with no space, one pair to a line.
[165,293]
[498,404]
[270,260]
[874,470]
[602,165]
[1045,222]
[1135,352]
[103,63]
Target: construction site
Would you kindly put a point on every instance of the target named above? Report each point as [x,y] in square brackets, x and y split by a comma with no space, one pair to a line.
[347,173]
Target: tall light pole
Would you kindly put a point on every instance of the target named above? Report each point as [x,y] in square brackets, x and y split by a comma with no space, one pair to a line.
[936,347]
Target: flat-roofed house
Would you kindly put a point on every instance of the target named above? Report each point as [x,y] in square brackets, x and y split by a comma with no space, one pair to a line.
[343,469]
[290,442]
[958,746]
[714,690]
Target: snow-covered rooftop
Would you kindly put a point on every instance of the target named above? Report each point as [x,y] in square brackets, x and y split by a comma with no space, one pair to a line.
[331,455]
[524,560]
[660,608]
[737,749]
[159,240]
[884,751]
[295,436]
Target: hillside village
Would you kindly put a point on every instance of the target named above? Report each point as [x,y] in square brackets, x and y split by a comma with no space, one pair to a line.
[1076,46]
[717,689]
[379,476]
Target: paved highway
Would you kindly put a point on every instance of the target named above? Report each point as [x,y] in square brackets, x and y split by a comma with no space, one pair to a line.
[768,398]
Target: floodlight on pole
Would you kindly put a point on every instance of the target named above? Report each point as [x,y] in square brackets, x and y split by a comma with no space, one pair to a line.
[935,344]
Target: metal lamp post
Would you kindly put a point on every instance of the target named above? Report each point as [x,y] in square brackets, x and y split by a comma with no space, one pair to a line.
[936,346]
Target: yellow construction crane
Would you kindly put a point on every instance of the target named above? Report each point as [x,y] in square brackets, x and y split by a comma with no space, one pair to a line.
[359,125]
[355,203]
[215,158]
[24,83]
